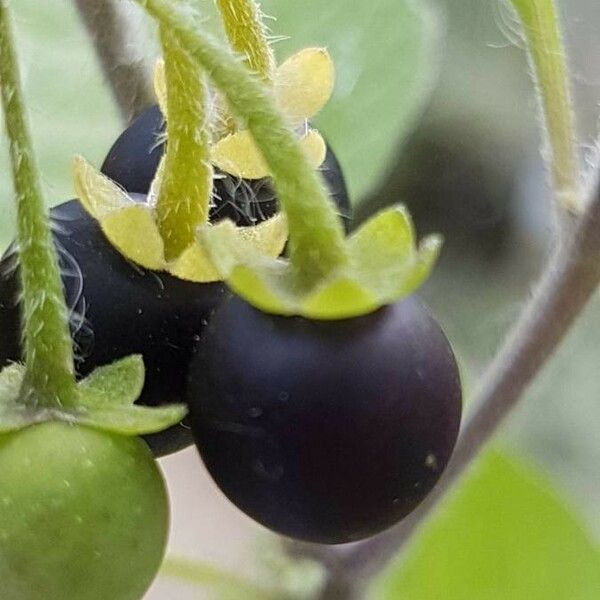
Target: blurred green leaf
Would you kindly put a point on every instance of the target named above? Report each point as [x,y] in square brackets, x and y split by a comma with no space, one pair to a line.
[385,54]
[505,535]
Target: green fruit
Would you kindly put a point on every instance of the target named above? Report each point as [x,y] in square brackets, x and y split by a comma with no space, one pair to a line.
[83,515]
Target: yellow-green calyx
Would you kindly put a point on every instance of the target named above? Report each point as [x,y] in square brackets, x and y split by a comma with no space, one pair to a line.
[104,400]
[132,227]
[327,275]
[301,87]
[384,264]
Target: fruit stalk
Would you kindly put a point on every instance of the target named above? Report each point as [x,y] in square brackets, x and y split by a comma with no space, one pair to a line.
[245,28]
[47,341]
[547,56]
[184,196]
[316,246]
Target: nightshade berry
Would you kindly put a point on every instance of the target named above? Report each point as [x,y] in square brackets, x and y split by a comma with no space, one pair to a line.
[117,309]
[326,431]
[84,515]
[134,157]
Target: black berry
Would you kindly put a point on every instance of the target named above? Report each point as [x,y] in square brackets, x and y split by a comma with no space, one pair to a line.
[118,309]
[325,431]
[133,159]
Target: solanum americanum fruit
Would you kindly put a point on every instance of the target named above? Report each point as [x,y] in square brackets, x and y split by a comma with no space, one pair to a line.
[326,431]
[117,309]
[134,158]
[83,514]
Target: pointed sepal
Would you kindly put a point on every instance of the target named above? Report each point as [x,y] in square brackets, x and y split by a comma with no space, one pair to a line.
[384,266]
[304,84]
[238,155]
[105,400]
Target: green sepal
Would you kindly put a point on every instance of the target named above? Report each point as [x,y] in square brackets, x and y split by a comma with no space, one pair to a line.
[13,414]
[384,265]
[105,400]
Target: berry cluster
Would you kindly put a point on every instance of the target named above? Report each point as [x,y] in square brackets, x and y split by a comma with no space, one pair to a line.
[214,296]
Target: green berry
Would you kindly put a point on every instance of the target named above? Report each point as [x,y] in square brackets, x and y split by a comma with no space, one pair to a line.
[83,515]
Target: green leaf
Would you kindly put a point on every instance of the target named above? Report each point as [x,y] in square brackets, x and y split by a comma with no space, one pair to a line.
[385,58]
[504,535]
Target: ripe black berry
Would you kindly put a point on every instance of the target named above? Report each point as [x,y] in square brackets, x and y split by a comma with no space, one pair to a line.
[133,159]
[118,309]
[325,431]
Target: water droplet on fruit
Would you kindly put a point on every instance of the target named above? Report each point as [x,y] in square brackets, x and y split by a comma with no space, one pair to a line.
[78,519]
[271,473]
[284,396]
[431,462]
[255,412]
[6,501]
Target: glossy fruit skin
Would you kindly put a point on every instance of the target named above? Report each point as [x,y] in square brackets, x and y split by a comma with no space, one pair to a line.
[328,432]
[134,157]
[126,310]
[83,515]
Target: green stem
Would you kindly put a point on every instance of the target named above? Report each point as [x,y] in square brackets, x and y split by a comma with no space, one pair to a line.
[547,55]
[205,575]
[50,377]
[248,35]
[183,199]
[316,244]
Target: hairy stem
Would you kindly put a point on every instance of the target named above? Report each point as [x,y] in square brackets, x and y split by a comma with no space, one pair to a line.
[186,187]
[243,21]
[549,66]
[316,244]
[117,40]
[47,341]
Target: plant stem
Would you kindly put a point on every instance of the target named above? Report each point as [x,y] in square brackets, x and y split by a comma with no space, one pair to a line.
[549,66]
[48,349]
[117,40]
[316,244]
[206,575]
[245,28]
[186,187]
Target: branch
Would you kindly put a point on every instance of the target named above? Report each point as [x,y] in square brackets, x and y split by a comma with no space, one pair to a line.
[568,283]
[116,32]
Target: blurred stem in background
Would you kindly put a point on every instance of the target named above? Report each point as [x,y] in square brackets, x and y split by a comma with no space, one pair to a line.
[118,36]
